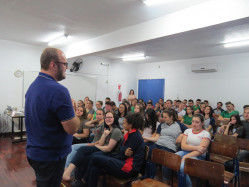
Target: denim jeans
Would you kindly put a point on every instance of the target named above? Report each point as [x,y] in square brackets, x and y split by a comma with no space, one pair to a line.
[75,148]
[182,153]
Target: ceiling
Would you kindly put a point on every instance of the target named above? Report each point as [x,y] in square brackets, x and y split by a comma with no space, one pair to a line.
[37,22]
[204,42]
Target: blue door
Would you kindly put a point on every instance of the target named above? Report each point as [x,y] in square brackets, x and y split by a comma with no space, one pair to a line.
[151,89]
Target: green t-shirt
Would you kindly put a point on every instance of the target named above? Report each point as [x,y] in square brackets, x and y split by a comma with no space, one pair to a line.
[94,116]
[187,120]
[196,107]
[225,114]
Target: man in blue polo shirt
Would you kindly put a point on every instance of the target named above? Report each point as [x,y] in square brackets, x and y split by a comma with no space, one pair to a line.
[50,120]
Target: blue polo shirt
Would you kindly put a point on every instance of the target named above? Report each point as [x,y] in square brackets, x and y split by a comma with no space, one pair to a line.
[47,104]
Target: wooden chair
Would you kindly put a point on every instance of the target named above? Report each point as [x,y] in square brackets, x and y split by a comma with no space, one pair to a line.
[213,172]
[164,158]
[225,139]
[218,149]
[110,180]
[243,144]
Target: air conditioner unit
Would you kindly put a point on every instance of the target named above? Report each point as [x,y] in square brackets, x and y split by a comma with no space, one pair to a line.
[203,68]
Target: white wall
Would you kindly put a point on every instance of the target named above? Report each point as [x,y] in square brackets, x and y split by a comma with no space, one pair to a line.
[230,83]
[27,58]
[15,56]
[108,77]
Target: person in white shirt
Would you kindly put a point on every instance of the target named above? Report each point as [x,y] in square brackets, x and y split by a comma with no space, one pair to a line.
[194,143]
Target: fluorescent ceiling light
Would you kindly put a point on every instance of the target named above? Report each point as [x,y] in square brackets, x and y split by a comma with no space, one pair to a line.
[154,2]
[59,40]
[134,57]
[237,44]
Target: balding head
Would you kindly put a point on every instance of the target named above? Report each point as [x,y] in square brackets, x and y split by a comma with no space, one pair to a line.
[48,55]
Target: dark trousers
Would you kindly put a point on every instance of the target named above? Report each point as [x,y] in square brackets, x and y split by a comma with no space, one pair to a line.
[100,164]
[48,174]
[241,156]
[82,140]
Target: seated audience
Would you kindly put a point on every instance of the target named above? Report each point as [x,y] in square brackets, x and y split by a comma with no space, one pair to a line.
[139,109]
[99,105]
[234,127]
[114,107]
[206,102]
[150,124]
[149,105]
[107,107]
[122,112]
[169,104]
[219,109]
[80,103]
[108,144]
[244,154]
[187,118]
[81,136]
[86,99]
[157,108]
[191,103]
[202,108]
[167,134]
[89,109]
[127,162]
[133,103]
[180,111]
[107,99]
[225,115]
[197,111]
[194,144]
[209,121]
[98,125]
[197,104]
[161,103]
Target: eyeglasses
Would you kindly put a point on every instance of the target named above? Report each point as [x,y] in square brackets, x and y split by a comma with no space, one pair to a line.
[64,63]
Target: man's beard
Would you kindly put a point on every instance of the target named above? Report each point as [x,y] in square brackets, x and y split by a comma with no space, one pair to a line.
[60,76]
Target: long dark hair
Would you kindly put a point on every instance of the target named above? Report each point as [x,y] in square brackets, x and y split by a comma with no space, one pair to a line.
[211,111]
[237,124]
[115,122]
[191,109]
[84,116]
[152,119]
[125,112]
[128,108]
[130,92]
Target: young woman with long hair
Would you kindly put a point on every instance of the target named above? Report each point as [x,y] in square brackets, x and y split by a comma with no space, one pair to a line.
[108,144]
[194,144]
[83,132]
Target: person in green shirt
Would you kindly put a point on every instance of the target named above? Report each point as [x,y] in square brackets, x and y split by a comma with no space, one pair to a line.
[187,118]
[99,105]
[225,115]
[197,104]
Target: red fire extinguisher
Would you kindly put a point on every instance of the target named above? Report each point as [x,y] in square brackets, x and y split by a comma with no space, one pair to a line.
[119,93]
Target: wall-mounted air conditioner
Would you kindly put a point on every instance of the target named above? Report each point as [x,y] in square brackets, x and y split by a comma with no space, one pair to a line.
[203,68]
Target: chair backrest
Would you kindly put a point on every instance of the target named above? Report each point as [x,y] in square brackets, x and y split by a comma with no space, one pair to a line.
[243,144]
[211,171]
[165,158]
[225,139]
[223,149]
